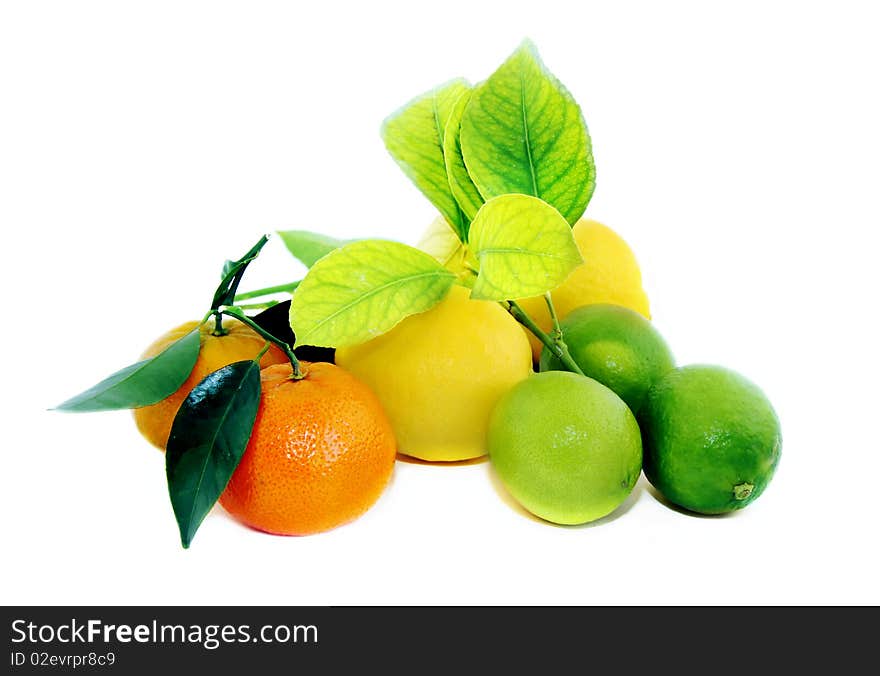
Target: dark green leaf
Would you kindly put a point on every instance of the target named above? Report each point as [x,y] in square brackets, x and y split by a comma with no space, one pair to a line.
[208,437]
[316,353]
[143,383]
[233,271]
[276,320]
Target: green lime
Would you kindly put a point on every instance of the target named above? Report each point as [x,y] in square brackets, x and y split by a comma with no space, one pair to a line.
[712,440]
[565,446]
[616,346]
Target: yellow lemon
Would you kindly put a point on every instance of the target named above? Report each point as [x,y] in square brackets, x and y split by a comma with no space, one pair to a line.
[609,274]
[440,373]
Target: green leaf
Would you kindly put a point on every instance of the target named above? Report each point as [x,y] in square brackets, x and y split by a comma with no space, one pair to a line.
[362,290]
[463,188]
[228,268]
[414,136]
[309,247]
[208,438]
[143,383]
[522,132]
[232,273]
[524,247]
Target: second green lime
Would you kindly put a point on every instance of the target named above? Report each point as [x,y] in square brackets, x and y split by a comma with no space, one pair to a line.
[616,346]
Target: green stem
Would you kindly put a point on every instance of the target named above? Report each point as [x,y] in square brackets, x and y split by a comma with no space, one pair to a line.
[244,319]
[259,293]
[557,335]
[557,330]
[263,351]
[218,325]
[557,347]
[257,306]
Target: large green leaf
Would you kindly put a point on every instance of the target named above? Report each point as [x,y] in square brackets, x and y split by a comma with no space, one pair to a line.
[524,247]
[309,247]
[414,136]
[208,438]
[141,384]
[463,188]
[522,132]
[362,290]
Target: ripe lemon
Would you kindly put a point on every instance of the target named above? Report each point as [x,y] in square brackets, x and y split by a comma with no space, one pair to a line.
[616,346]
[566,447]
[439,373]
[609,274]
[239,343]
[321,453]
[712,440]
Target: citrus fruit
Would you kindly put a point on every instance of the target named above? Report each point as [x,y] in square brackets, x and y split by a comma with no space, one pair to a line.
[712,440]
[616,346]
[239,343]
[439,373]
[320,454]
[609,274]
[565,446]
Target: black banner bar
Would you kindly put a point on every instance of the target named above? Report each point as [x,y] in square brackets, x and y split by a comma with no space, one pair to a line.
[124,640]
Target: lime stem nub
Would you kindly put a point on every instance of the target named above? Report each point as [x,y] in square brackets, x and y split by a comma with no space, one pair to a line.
[743,490]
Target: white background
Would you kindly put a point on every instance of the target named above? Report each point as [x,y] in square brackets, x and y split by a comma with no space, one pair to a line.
[141,144]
